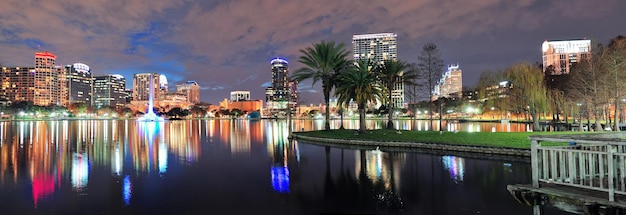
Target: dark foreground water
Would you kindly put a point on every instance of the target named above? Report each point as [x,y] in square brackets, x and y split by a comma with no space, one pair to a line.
[235,167]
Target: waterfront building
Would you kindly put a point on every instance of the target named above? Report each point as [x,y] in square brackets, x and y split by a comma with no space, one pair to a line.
[451,83]
[109,90]
[191,90]
[379,47]
[141,86]
[559,56]
[283,92]
[17,84]
[80,83]
[247,106]
[236,96]
[163,86]
[46,80]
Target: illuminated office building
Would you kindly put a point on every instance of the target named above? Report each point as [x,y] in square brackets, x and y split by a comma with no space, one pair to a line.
[236,96]
[282,93]
[451,83]
[379,47]
[17,83]
[141,86]
[80,83]
[559,56]
[109,91]
[191,90]
[46,80]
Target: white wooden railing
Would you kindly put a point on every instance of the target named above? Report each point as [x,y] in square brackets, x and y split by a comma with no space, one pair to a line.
[590,162]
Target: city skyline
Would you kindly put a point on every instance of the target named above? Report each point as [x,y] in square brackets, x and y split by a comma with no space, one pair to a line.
[224,46]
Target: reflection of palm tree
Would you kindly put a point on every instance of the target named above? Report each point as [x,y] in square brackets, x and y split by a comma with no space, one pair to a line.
[324,61]
[361,85]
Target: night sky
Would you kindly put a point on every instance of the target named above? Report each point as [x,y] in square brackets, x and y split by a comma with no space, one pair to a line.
[227,45]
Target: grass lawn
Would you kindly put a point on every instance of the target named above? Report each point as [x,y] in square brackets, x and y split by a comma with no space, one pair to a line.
[491,139]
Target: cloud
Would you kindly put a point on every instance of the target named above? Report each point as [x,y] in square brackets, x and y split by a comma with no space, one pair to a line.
[227,45]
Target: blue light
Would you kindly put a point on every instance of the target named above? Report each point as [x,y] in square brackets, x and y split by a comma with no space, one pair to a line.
[127,190]
[279,60]
[280,179]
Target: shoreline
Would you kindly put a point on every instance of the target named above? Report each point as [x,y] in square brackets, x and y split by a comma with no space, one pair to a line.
[501,151]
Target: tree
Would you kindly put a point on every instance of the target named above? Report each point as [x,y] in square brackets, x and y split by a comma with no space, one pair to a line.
[614,59]
[359,84]
[430,67]
[391,73]
[323,62]
[528,91]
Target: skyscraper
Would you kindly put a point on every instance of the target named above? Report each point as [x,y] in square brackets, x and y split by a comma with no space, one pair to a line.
[17,83]
[141,86]
[379,47]
[559,56]
[280,95]
[191,90]
[80,83]
[109,90]
[451,83]
[45,80]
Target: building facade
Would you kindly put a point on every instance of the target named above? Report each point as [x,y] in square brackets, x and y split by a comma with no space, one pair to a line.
[282,92]
[109,91]
[141,86]
[236,96]
[559,56]
[191,90]
[18,84]
[451,83]
[379,47]
[46,80]
[80,83]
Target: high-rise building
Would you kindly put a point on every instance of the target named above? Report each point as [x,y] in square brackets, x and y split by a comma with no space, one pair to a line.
[559,56]
[80,83]
[280,94]
[379,47]
[141,86]
[451,83]
[191,90]
[46,83]
[17,83]
[109,91]
[163,86]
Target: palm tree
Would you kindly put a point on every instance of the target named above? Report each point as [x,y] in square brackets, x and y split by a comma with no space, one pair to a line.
[323,61]
[392,73]
[359,84]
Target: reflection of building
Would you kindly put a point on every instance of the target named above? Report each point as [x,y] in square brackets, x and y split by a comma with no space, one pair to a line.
[561,55]
[454,165]
[378,167]
[379,47]
[451,83]
[79,83]
[109,90]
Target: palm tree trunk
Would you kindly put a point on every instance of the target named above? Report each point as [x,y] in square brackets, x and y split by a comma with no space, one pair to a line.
[361,118]
[389,112]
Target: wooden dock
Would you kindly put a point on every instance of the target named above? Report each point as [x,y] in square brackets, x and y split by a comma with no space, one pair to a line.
[588,176]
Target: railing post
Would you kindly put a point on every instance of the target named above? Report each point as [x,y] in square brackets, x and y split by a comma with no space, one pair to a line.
[534,162]
[609,157]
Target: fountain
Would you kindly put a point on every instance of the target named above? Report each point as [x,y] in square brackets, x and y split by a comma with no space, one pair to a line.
[150,116]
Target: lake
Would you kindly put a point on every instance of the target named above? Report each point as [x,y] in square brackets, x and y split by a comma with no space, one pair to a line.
[239,167]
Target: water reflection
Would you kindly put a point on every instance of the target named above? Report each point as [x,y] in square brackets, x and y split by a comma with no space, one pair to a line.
[135,167]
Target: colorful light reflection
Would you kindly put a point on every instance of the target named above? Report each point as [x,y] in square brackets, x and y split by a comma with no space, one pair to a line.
[127,190]
[280,179]
[456,167]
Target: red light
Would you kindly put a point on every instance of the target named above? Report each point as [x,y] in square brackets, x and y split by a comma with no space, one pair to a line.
[45,55]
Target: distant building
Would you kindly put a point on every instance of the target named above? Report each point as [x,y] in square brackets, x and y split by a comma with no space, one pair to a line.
[243,105]
[163,86]
[559,56]
[451,83]
[236,96]
[379,47]
[141,86]
[109,90]
[281,94]
[17,84]
[191,90]
[80,83]
[46,80]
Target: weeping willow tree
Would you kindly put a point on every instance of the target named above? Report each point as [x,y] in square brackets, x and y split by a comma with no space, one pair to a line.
[528,91]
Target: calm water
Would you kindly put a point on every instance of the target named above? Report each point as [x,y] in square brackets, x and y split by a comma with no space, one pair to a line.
[235,167]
